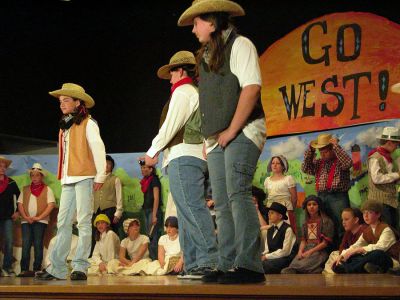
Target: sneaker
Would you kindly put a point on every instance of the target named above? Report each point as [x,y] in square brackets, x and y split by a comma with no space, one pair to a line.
[241,275]
[7,273]
[198,273]
[339,269]
[183,275]
[212,276]
[373,269]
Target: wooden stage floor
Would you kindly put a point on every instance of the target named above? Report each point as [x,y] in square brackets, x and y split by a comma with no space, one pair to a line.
[168,287]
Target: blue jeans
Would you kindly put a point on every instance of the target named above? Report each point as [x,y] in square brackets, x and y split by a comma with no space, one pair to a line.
[76,197]
[153,246]
[32,234]
[8,243]
[334,203]
[186,180]
[231,173]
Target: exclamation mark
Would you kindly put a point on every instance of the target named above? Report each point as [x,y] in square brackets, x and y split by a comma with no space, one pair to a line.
[383,78]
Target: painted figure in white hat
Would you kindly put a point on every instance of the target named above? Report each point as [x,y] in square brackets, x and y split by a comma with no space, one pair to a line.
[233,125]
[81,169]
[332,177]
[35,204]
[181,141]
[9,194]
[383,174]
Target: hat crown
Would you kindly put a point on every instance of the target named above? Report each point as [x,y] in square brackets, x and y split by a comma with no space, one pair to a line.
[323,139]
[37,166]
[72,86]
[389,133]
[183,57]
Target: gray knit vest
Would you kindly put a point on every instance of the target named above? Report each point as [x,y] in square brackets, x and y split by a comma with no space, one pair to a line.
[219,95]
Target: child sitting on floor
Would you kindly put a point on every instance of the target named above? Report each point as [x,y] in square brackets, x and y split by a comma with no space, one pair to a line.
[353,224]
[136,246]
[107,245]
[375,248]
[280,241]
[317,234]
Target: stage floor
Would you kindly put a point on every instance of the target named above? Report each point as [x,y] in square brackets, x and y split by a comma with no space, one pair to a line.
[169,287]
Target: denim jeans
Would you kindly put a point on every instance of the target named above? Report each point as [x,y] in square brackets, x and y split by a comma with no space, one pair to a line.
[7,226]
[153,246]
[76,197]
[334,203]
[231,173]
[356,263]
[186,180]
[32,234]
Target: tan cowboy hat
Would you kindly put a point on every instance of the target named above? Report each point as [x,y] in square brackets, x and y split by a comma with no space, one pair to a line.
[200,7]
[390,134]
[321,141]
[36,167]
[75,91]
[129,222]
[395,88]
[180,58]
[6,161]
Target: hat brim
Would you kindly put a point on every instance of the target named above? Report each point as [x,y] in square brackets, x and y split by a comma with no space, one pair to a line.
[163,72]
[284,216]
[6,161]
[36,170]
[87,99]
[387,139]
[315,144]
[395,88]
[202,7]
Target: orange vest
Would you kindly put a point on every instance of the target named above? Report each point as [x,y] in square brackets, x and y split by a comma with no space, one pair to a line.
[80,160]
[41,201]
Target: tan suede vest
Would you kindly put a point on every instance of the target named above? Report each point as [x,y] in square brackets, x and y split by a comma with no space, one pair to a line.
[372,238]
[385,193]
[41,201]
[106,196]
[80,161]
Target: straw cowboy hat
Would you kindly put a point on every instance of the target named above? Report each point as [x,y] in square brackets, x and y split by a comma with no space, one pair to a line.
[321,141]
[75,91]
[390,134]
[101,217]
[200,7]
[6,161]
[180,58]
[36,167]
[395,88]
[129,222]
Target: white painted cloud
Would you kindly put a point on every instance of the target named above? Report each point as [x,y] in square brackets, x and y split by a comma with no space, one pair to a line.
[347,146]
[291,149]
[368,137]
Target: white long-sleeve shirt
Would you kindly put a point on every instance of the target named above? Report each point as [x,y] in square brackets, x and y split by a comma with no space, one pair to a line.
[184,102]
[107,248]
[118,194]
[98,151]
[288,243]
[377,176]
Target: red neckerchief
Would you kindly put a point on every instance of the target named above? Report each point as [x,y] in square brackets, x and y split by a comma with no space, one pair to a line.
[145,182]
[3,184]
[36,189]
[330,175]
[382,151]
[183,81]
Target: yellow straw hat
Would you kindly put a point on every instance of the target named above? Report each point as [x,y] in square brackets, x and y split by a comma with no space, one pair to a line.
[322,141]
[75,91]
[36,167]
[6,161]
[200,7]
[101,217]
[180,58]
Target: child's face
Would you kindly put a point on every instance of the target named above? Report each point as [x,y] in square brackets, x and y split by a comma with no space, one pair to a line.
[349,222]
[36,177]
[312,208]
[202,29]
[146,171]
[274,217]
[276,166]
[3,168]
[133,230]
[371,217]
[101,226]
[171,231]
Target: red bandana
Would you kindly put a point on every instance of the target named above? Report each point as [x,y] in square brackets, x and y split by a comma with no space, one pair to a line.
[145,182]
[36,189]
[3,184]
[383,152]
[186,80]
